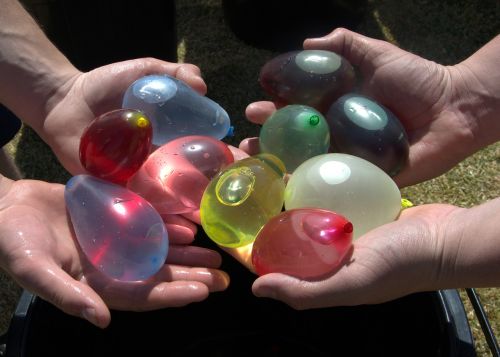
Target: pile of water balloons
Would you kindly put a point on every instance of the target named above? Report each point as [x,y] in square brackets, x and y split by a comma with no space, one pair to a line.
[162,154]
[142,163]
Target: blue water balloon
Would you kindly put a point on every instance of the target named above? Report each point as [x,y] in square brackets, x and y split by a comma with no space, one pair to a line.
[119,232]
[175,109]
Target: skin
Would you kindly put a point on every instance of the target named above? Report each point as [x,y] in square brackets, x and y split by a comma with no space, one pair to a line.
[449,113]
[37,244]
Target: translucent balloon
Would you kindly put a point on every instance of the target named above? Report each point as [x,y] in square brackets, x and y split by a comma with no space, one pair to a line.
[241,199]
[115,144]
[362,127]
[119,232]
[175,109]
[311,77]
[347,185]
[305,243]
[295,133]
[175,176]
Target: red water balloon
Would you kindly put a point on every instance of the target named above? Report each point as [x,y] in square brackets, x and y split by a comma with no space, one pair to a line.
[305,243]
[115,145]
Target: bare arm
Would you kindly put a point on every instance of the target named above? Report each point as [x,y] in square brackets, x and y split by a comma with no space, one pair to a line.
[37,246]
[32,70]
[478,97]
[471,247]
[449,112]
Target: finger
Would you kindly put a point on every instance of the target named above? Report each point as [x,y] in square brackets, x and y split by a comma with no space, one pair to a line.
[351,45]
[180,230]
[285,288]
[172,286]
[54,285]
[193,256]
[258,112]
[188,73]
[250,146]
[126,72]
[305,294]
[420,167]
[191,74]
[337,289]
[193,216]
[144,296]
[214,279]
[238,153]
[407,177]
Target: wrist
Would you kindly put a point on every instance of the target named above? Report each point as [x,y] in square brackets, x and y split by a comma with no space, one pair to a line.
[471,247]
[476,97]
[34,72]
[418,247]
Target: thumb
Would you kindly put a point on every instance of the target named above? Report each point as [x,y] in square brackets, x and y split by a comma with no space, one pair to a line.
[351,45]
[285,288]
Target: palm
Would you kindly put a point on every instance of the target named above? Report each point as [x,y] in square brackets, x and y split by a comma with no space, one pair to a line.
[42,255]
[388,262]
[96,92]
[33,247]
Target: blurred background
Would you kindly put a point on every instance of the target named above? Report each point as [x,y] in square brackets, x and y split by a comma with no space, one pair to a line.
[231,40]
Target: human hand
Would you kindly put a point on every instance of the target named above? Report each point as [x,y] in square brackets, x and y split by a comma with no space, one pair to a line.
[88,95]
[391,261]
[428,98]
[38,249]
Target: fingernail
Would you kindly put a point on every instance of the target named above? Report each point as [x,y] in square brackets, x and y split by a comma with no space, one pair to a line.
[225,279]
[90,315]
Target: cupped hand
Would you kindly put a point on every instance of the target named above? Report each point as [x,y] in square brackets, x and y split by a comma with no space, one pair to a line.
[422,94]
[38,249]
[391,261]
[88,95]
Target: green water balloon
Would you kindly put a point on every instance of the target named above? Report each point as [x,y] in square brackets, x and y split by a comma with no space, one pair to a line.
[295,133]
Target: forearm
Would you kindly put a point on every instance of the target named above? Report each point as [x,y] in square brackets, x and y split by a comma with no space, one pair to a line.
[471,241]
[478,92]
[33,72]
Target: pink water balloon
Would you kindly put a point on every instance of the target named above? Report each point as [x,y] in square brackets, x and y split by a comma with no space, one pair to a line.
[175,176]
[305,243]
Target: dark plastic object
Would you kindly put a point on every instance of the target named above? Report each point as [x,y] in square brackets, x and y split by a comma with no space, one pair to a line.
[483,321]
[235,323]
[283,25]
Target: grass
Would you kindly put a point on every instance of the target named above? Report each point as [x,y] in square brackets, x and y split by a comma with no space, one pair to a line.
[446,31]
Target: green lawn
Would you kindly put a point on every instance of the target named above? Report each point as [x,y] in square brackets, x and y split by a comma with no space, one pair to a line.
[445,31]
